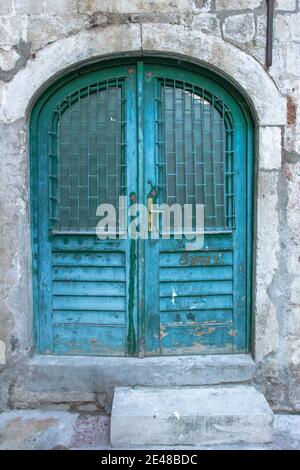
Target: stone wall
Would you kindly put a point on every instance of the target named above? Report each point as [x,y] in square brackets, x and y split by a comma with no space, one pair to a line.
[40,39]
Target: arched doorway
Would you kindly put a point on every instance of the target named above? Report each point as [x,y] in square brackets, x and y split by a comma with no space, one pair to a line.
[147,130]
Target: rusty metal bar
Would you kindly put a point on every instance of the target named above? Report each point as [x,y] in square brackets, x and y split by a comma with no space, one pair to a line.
[269,45]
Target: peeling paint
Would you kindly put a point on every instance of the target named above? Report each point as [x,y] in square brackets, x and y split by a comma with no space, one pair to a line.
[174,295]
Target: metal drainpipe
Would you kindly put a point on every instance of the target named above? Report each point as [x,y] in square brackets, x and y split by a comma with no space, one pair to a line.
[269,45]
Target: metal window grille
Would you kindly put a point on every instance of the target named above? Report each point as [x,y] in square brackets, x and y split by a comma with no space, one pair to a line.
[194,150]
[87,148]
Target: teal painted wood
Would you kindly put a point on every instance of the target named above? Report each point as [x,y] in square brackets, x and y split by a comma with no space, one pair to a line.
[82,282]
[196,339]
[131,253]
[196,288]
[44,245]
[105,274]
[140,244]
[193,317]
[90,317]
[119,297]
[89,288]
[168,264]
[250,217]
[89,340]
[151,311]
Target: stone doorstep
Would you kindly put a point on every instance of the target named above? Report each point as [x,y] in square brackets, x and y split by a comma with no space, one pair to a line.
[42,430]
[202,415]
[47,380]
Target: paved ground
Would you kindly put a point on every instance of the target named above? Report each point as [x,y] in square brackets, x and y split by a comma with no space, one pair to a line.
[35,429]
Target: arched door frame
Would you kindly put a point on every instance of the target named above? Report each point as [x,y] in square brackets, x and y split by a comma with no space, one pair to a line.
[183,65]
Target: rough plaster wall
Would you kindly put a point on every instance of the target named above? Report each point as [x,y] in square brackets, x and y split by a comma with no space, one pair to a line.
[27,27]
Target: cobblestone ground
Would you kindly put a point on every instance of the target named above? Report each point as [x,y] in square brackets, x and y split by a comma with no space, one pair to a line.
[35,429]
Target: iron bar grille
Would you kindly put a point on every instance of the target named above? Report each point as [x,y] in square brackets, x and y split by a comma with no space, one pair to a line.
[87,148]
[194,151]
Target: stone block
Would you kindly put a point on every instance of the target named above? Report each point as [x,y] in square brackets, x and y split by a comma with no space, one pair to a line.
[29,7]
[135,6]
[270,148]
[43,30]
[60,7]
[239,28]
[293,209]
[206,23]
[292,61]
[6,7]
[267,240]
[2,352]
[294,22]
[189,416]
[8,59]
[267,247]
[286,28]
[237,4]
[286,5]
[11,30]
[295,291]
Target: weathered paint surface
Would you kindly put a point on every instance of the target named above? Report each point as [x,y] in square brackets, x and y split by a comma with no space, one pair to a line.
[87,302]
[194,300]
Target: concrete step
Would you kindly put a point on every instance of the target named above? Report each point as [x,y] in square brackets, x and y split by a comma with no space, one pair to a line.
[144,416]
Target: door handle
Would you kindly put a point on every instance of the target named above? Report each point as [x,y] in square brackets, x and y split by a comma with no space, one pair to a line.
[151,211]
[150,214]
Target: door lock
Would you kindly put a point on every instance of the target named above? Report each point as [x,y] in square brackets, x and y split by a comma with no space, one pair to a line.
[151,211]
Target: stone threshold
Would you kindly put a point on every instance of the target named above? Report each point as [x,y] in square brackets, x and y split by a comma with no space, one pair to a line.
[81,380]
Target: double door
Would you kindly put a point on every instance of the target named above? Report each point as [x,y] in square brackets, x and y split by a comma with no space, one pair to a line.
[159,136]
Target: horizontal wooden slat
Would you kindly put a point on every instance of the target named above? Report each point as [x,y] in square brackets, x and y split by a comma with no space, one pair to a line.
[89,274]
[196,303]
[91,317]
[196,339]
[88,259]
[194,288]
[211,241]
[88,303]
[192,259]
[196,273]
[89,340]
[196,316]
[86,243]
[88,288]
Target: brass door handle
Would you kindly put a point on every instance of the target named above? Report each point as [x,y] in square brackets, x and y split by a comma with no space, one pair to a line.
[151,211]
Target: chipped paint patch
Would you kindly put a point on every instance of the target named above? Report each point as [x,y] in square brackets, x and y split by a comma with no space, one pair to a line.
[163,331]
[207,331]
[174,295]
[232,332]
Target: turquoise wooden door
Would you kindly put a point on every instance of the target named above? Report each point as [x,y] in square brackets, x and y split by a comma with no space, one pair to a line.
[195,153]
[126,131]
